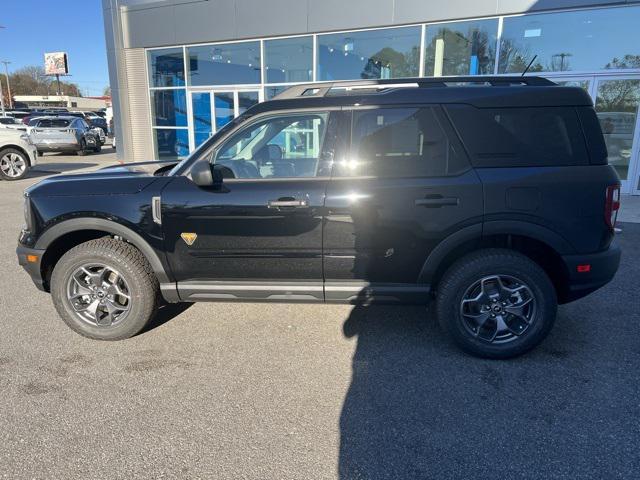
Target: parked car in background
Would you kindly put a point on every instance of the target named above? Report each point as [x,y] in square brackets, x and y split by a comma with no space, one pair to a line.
[17,154]
[97,121]
[63,134]
[12,123]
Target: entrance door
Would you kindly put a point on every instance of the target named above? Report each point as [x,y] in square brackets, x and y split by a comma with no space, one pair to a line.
[616,99]
[211,110]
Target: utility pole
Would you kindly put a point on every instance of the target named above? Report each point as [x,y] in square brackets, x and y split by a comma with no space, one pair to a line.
[6,72]
[2,94]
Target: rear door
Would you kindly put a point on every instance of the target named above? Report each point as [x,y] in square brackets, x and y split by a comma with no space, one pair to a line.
[404,186]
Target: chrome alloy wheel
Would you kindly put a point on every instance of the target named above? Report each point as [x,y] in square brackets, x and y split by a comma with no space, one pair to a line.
[12,165]
[99,295]
[498,308]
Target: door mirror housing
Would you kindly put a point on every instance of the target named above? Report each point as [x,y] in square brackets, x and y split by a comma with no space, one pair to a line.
[201,174]
[204,174]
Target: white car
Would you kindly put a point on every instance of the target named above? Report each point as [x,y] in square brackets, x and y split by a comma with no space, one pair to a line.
[17,154]
[12,123]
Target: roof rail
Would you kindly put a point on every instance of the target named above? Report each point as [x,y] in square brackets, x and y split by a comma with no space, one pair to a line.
[322,89]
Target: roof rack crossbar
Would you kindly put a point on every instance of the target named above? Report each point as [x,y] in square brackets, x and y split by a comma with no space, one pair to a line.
[321,89]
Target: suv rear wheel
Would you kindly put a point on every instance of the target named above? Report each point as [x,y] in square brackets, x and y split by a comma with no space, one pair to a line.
[105,289]
[14,164]
[496,303]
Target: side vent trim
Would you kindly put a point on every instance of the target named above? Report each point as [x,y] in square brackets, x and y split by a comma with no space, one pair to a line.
[156,209]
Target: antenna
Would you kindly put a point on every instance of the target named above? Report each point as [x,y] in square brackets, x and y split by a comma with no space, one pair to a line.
[529,66]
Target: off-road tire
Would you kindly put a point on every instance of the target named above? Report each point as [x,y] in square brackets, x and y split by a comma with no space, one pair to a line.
[131,264]
[482,264]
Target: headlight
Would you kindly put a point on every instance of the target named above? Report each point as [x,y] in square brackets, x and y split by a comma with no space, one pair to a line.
[28,218]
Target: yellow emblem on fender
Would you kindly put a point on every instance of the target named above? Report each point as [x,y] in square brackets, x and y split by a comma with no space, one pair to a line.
[189,237]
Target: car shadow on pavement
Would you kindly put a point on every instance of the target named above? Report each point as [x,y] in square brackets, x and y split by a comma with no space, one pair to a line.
[166,312]
[417,407]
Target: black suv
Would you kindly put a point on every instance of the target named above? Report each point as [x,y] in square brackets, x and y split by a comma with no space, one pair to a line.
[492,195]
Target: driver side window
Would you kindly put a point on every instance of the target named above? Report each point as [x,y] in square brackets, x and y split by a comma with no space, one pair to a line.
[286,146]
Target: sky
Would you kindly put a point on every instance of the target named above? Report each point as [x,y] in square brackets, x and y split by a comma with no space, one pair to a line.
[33,27]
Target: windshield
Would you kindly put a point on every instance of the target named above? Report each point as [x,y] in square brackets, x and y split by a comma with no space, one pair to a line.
[180,167]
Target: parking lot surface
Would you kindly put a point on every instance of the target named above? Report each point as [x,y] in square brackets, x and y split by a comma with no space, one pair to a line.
[260,391]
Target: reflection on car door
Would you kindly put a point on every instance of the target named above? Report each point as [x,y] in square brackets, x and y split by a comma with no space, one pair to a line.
[260,235]
[404,187]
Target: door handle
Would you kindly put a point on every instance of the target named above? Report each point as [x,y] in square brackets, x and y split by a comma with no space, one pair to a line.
[287,202]
[437,201]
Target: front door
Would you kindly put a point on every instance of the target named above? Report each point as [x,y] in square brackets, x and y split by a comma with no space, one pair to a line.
[259,236]
[404,187]
[617,100]
[211,110]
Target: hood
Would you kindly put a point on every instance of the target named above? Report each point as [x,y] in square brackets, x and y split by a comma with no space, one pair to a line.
[115,180]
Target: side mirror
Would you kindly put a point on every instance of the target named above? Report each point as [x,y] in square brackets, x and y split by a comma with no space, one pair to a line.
[205,175]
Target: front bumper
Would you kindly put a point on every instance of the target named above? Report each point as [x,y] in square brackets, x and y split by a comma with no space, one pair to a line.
[602,268]
[32,267]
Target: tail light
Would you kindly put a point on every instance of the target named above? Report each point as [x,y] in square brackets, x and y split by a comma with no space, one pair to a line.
[612,205]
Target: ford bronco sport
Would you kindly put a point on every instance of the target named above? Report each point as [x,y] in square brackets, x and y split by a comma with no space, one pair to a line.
[491,195]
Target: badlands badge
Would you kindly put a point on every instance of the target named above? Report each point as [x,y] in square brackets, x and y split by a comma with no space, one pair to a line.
[189,237]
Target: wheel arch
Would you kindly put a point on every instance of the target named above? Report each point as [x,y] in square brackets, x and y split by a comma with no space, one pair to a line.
[538,243]
[10,146]
[65,235]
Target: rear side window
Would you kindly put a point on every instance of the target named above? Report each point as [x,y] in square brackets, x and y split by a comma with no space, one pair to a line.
[520,137]
[400,142]
[53,123]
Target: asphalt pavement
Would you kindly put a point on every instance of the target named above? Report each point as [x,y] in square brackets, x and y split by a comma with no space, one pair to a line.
[260,391]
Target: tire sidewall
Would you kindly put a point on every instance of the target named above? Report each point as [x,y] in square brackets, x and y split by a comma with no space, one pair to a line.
[464,275]
[138,315]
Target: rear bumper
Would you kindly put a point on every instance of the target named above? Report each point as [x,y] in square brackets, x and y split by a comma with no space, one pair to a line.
[602,268]
[57,147]
[32,267]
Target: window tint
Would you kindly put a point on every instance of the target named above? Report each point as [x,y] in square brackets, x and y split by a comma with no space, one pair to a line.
[166,67]
[169,108]
[399,142]
[278,147]
[582,40]
[226,64]
[288,60]
[520,137]
[384,53]
[461,48]
[53,123]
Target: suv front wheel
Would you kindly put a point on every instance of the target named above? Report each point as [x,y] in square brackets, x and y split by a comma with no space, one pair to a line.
[496,303]
[105,289]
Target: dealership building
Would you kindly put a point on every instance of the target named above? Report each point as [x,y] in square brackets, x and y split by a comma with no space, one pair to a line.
[181,69]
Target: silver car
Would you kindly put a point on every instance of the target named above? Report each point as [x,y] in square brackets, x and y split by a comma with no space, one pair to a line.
[63,134]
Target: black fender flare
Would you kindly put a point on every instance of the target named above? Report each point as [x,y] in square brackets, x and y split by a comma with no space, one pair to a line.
[78,224]
[495,227]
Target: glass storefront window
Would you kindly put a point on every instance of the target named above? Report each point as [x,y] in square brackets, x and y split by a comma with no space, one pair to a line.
[461,48]
[288,60]
[584,40]
[227,64]
[270,92]
[166,67]
[172,143]
[202,124]
[617,103]
[169,108]
[386,53]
